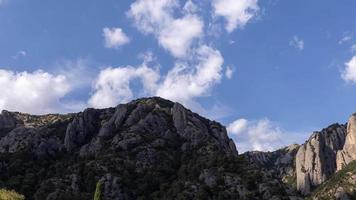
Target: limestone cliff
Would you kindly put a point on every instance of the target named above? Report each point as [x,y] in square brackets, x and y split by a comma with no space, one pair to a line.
[348,152]
[316,158]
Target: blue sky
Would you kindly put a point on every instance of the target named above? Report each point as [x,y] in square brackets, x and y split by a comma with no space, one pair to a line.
[277,69]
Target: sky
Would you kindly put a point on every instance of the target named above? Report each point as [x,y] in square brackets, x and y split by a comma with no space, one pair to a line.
[271,71]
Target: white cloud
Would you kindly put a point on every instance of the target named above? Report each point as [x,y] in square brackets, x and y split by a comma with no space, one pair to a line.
[113,85]
[260,135]
[236,12]
[34,92]
[19,54]
[238,126]
[349,74]
[178,36]
[115,37]
[184,83]
[79,72]
[297,43]
[229,72]
[344,39]
[173,34]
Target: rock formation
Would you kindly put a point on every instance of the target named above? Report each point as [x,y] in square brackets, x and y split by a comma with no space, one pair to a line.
[348,152]
[150,148]
[316,158]
[281,162]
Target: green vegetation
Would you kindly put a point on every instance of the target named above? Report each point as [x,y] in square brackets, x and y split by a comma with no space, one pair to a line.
[342,179]
[10,195]
[291,180]
[97,195]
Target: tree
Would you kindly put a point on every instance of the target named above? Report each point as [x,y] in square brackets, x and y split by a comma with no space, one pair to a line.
[97,195]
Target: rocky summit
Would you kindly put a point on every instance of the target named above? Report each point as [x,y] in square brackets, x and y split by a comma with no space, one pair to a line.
[150,148]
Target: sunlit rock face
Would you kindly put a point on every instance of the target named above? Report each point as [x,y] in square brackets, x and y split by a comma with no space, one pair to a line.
[316,158]
[348,153]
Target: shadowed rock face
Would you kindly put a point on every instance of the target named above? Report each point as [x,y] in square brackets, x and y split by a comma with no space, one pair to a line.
[281,161]
[149,148]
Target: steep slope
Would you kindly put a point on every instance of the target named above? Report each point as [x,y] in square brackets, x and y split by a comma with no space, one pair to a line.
[316,159]
[341,185]
[279,164]
[150,148]
[348,152]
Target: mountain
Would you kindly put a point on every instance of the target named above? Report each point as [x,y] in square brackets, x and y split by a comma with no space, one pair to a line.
[321,168]
[150,148]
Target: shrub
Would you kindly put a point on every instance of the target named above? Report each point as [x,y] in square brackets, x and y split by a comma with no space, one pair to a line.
[10,195]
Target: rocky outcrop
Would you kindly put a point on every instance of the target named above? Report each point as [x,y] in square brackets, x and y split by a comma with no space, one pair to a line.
[84,126]
[316,158]
[150,148]
[7,122]
[348,152]
[279,164]
[281,161]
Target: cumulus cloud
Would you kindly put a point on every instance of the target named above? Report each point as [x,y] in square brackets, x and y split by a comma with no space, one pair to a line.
[297,43]
[115,37]
[173,34]
[113,85]
[236,13]
[259,135]
[184,83]
[349,74]
[238,126]
[34,92]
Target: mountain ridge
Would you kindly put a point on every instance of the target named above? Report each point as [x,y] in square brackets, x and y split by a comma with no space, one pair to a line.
[150,148]
[166,150]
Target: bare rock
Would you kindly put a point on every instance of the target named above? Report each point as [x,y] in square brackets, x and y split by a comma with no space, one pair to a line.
[80,129]
[316,159]
[348,152]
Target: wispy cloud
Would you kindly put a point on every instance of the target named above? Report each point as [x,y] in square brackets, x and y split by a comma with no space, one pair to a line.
[297,43]
[19,54]
[353,48]
[345,39]
[229,72]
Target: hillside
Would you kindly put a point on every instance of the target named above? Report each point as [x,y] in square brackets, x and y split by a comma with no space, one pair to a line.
[341,185]
[150,148]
